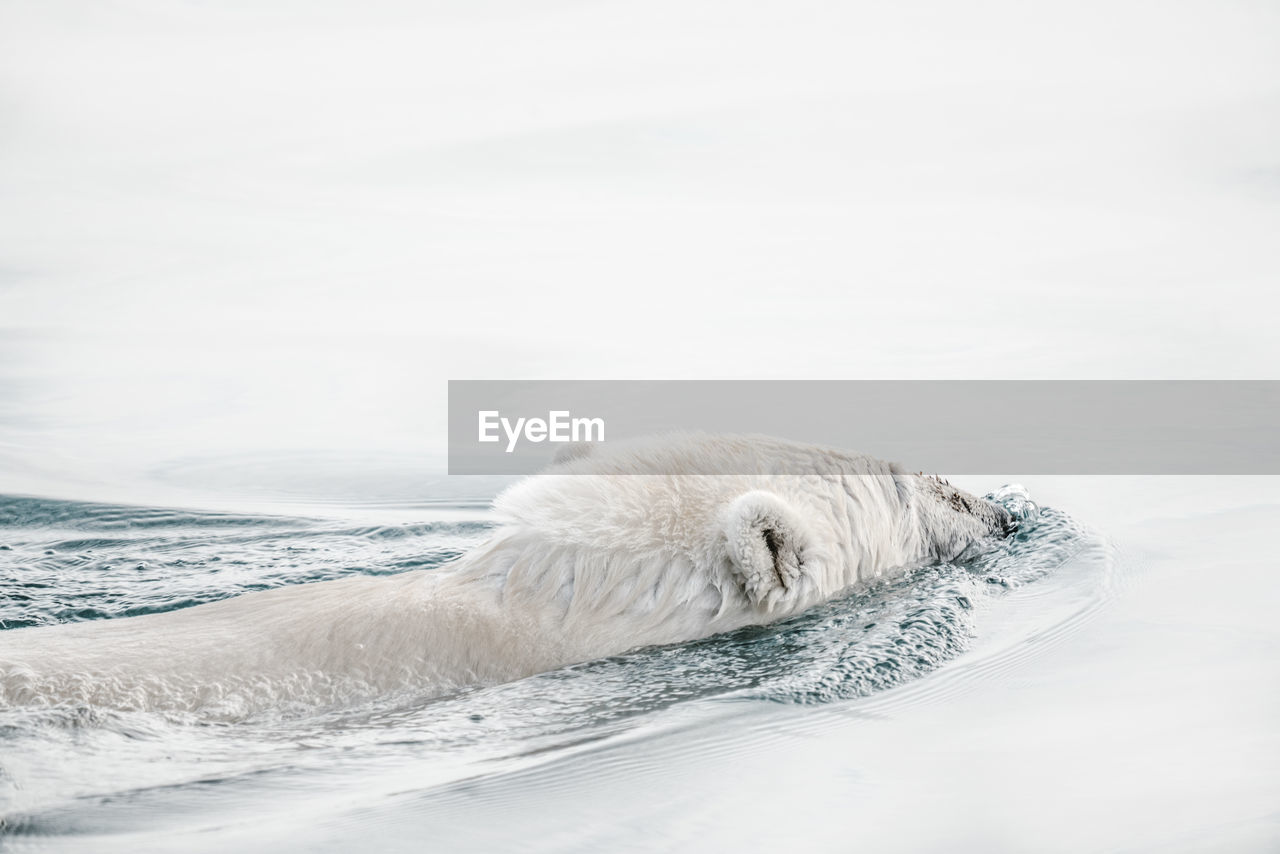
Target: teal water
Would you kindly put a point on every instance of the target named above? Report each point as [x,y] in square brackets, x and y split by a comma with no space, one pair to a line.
[83,778]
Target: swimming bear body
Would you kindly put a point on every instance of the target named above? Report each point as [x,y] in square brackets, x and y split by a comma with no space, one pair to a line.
[615,548]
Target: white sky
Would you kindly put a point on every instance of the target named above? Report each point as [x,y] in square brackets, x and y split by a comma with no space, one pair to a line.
[243,226]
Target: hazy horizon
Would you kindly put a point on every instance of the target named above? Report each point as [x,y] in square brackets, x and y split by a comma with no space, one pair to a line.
[280,229]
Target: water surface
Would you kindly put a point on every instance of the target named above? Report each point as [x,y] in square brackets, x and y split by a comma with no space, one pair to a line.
[83,777]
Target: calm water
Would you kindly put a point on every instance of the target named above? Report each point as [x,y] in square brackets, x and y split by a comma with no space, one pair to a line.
[91,779]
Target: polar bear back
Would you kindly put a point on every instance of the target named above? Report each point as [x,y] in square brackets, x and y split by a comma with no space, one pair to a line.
[672,500]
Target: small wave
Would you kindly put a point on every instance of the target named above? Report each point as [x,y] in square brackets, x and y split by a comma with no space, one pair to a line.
[55,567]
[18,511]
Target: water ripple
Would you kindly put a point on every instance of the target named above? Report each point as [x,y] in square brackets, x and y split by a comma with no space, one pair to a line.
[82,770]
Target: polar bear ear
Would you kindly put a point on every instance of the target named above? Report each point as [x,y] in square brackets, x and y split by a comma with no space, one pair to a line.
[767,542]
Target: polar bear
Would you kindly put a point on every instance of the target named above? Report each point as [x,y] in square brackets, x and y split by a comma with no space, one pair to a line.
[605,552]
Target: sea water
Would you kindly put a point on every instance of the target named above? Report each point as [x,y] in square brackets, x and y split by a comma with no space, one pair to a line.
[931,705]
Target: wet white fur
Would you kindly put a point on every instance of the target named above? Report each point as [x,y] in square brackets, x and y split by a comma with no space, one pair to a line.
[602,554]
